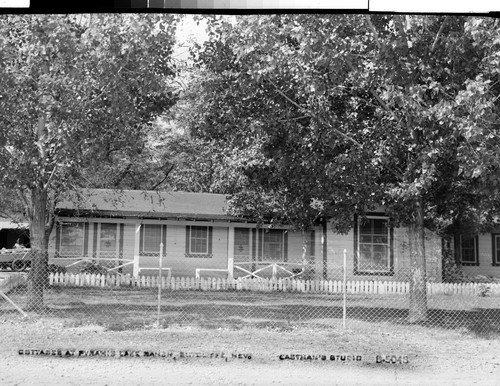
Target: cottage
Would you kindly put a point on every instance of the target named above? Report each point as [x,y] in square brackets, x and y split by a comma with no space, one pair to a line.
[479,255]
[124,231]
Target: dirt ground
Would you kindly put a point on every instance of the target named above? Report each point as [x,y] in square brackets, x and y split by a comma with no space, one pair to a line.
[434,356]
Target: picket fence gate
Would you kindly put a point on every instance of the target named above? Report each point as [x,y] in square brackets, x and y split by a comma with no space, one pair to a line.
[267,285]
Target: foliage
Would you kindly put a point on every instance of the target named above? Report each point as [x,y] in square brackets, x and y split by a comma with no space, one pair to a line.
[76,93]
[351,111]
[452,272]
[54,268]
[77,89]
[93,268]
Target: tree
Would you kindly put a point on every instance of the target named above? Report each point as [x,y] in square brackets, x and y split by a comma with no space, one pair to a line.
[353,110]
[73,90]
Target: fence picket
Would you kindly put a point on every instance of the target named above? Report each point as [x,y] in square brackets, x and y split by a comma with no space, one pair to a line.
[266,285]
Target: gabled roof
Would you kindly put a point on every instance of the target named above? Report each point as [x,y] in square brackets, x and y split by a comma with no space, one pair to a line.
[152,204]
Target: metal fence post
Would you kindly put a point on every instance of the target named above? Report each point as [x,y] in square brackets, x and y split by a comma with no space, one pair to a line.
[344,314]
[159,283]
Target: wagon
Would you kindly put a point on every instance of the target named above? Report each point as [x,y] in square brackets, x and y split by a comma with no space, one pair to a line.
[15,259]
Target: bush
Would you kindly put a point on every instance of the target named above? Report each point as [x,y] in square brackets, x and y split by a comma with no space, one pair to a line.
[54,268]
[452,273]
[95,268]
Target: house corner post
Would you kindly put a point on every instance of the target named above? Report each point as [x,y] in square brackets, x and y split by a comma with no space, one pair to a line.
[230,252]
[137,241]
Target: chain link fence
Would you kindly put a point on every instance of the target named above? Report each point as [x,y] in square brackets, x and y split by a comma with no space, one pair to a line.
[103,290]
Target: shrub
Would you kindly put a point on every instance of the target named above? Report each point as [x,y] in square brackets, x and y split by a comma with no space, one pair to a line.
[452,273]
[484,290]
[54,268]
[95,268]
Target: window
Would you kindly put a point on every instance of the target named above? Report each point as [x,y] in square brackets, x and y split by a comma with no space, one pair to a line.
[70,239]
[151,238]
[468,250]
[241,243]
[272,245]
[198,241]
[496,248]
[108,240]
[373,246]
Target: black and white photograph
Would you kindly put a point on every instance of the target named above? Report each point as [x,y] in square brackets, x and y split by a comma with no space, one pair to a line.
[249,198]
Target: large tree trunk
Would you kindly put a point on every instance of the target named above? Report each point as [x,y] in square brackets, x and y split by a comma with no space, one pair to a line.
[418,282]
[38,276]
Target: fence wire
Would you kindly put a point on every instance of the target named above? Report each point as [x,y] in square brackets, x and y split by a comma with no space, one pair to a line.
[103,290]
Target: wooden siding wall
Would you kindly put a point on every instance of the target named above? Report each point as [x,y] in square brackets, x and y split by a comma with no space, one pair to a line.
[296,244]
[175,257]
[338,242]
[185,266]
[485,267]
[128,244]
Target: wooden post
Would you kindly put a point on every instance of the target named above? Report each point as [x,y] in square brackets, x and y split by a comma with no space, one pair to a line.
[137,240]
[230,251]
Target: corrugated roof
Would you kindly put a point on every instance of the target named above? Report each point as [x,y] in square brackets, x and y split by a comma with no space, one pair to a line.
[147,204]
[6,223]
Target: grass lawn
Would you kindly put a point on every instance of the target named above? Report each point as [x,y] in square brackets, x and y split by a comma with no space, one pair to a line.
[459,344]
[126,308]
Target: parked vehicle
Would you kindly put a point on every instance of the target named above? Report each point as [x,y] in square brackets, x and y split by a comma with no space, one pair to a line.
[18,259]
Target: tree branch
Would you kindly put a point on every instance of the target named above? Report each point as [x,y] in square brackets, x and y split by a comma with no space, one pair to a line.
[24,200]
[52,173]
[374,30]
[438,34]
[372,91]
[398,21]
[345,136]
[122,175]
[164,178]
[380,101]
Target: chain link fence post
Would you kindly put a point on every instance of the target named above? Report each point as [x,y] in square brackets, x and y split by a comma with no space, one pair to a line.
[159,284]
[344,313]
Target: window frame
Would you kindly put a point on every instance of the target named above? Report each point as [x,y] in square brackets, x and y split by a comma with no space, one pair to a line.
[60,249]
[475,249]
[143,239]
[495,247]
[281,233]
[189,242]
[108,254]
[245,233]
[389,271]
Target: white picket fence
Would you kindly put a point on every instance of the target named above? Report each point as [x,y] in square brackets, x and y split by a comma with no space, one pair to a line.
[268,285]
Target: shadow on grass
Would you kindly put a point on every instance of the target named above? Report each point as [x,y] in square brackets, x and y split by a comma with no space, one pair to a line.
[133,309]
[483,323]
